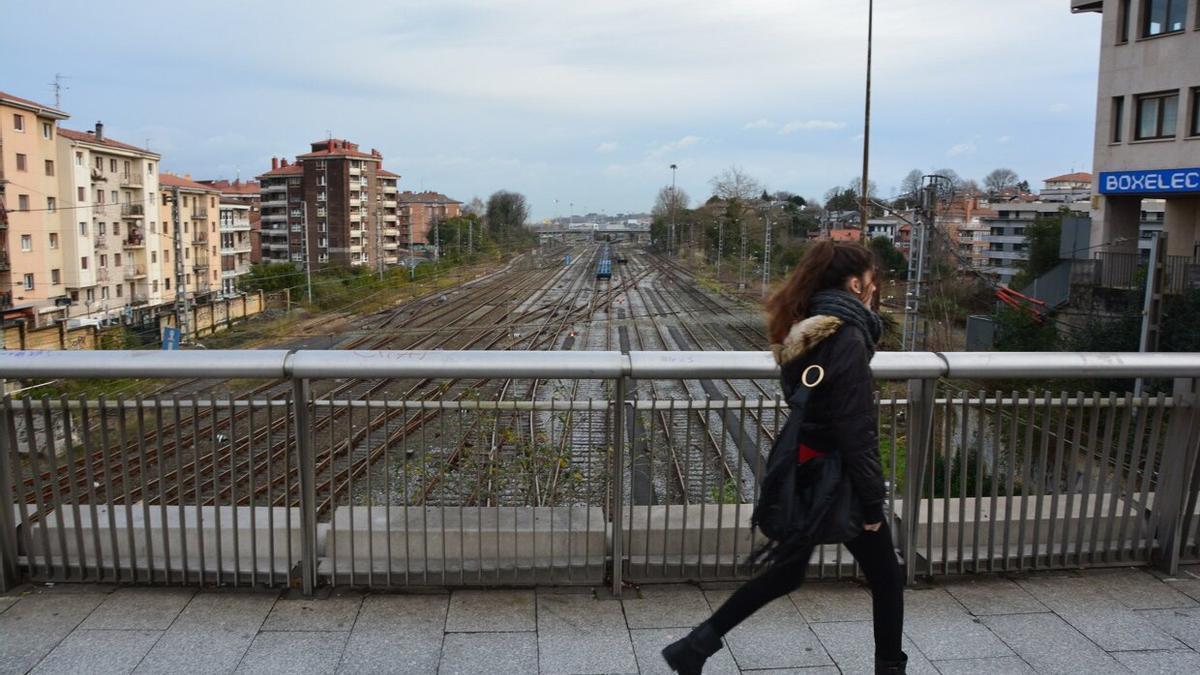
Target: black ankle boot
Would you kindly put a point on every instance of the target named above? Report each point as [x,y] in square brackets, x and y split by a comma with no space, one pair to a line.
[891,666]
[687,655]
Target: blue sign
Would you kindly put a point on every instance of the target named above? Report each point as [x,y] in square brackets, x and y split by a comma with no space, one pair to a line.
[567,261]
[1155,181]
[170,339]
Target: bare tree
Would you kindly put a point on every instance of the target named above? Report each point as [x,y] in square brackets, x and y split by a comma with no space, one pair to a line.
[506,211]
[1000,180]
[951,184]
[735,184]
[475,207]
[911,184]
[670,200]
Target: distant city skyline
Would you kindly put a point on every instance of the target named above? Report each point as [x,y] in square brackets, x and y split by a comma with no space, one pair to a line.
[584,104]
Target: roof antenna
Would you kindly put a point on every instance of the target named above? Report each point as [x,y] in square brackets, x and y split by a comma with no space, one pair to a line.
[58,88]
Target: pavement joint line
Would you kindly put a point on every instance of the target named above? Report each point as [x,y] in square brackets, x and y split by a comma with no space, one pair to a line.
[64,637]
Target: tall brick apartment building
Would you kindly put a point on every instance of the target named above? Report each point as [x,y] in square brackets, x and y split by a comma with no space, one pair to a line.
[337,195]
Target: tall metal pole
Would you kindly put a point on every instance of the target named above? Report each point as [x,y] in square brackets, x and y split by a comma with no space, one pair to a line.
[412,258]
[307,262]
[766,275]
[864,195]
[379,240]
[720,243]
[674,199]
[181,308]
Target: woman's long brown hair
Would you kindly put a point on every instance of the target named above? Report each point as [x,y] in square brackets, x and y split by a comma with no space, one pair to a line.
[825,264]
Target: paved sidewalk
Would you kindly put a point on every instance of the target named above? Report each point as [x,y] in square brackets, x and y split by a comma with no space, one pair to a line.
[1101,621]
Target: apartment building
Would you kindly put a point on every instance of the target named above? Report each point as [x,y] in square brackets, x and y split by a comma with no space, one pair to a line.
[196,238]
[330,207]
[248,194]
[32,266]
[1147,138]
[109,235]
[1067,188]
[420,212]
[235,244]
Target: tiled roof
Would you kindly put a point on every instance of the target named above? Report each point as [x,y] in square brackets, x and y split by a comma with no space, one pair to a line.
[424,198]
[337,152]
[384,173]
[170,180]
[1077,177]
[36,107]
[249,187]
[289,170]
[89,137]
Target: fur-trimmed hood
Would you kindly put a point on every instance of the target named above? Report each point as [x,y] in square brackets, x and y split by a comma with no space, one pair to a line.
[804,336]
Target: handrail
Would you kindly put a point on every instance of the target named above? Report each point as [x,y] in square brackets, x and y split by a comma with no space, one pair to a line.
[315,364]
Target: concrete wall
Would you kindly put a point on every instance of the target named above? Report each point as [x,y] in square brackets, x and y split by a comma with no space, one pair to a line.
[218,315]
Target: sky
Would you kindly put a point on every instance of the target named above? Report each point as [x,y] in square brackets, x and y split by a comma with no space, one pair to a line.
[575,103]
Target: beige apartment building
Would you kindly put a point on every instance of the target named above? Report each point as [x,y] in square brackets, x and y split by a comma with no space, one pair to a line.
[196,239]
[33,272]
[1147,143]
[235,244]
[112,225]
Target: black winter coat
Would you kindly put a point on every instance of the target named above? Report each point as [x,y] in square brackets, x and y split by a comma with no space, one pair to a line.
[840,415]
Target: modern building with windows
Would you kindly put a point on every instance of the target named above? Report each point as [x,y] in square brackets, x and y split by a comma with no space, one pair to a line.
[420,213]
[195,238]
[235,244]
[335,205]
[32,276]
[1147,143]
[243,193]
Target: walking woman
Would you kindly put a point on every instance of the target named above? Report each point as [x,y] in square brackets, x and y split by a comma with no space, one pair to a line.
[821,317]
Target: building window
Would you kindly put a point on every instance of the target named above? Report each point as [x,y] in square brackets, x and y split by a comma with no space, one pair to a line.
[116,260]
[114,196]
[1194,127]
[49,167]
[154,257]
[55,276]
[78,159]
[53,240]
[167,283]
[51,204]
[150,168]
[83,229]
[99,196]
[47,130]
[119,289]
[112,166]
[22,202]
[26,242]
[104,292]
[117,229]
[1157,115]
[83,263]
[29,282]
[21,162]
[1123,22]
[103,260]
[19,125]
[81,195]
[1163,16]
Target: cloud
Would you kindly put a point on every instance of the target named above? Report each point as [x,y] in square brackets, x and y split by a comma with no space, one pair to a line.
[606,147]
[1059,108]
[961,149]
[811,125]
[1003,139]
[760,124]
[674,146]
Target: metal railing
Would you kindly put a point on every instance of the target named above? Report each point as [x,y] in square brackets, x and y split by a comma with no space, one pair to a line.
[392,468]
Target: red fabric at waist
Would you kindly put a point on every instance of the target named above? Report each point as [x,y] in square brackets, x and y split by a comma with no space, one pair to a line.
[806,453]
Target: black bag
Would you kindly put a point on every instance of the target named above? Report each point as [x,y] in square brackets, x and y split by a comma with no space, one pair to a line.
[803,504]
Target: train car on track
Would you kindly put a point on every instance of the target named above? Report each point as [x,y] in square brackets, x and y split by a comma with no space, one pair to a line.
[604,268]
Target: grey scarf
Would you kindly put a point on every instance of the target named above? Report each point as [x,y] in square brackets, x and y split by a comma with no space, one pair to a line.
[843,305]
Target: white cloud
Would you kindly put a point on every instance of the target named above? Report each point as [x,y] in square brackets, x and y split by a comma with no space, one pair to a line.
[961,149]
[606,147]
[1003,139]
[811,125]
[760,124]
[857,138]
[674,146]
[1059,108]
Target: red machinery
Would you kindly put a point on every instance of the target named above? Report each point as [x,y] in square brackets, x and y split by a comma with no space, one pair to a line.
[1021,302]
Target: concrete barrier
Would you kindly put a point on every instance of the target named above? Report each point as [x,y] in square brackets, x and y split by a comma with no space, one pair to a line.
[467,539]
[157,533]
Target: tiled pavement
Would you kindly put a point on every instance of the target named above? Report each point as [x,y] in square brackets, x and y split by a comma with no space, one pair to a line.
[1102,621]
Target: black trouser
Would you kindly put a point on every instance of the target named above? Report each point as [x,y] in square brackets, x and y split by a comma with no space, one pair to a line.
[872,550]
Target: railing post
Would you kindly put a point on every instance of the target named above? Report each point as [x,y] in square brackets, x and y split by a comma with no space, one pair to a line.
[617,508]
[308,486]
[918,450]
[9,573]
[1175,494]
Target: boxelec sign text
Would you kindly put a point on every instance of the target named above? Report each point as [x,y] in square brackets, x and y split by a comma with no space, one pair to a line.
[1158,181]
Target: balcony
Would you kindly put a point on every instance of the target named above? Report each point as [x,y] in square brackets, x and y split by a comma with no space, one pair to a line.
[356,217]
[389,189]
[200,237]
[389,203]
[199,264]
[274,188]
[135,272]
[102,274]
[133,211]
[134,241]
[274,202]
[355,171]
[101,242]
[139,298]
[5,265]
[6,298]
[131,180]
[355,202]
[200,213]
[391,232]
[390,246]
